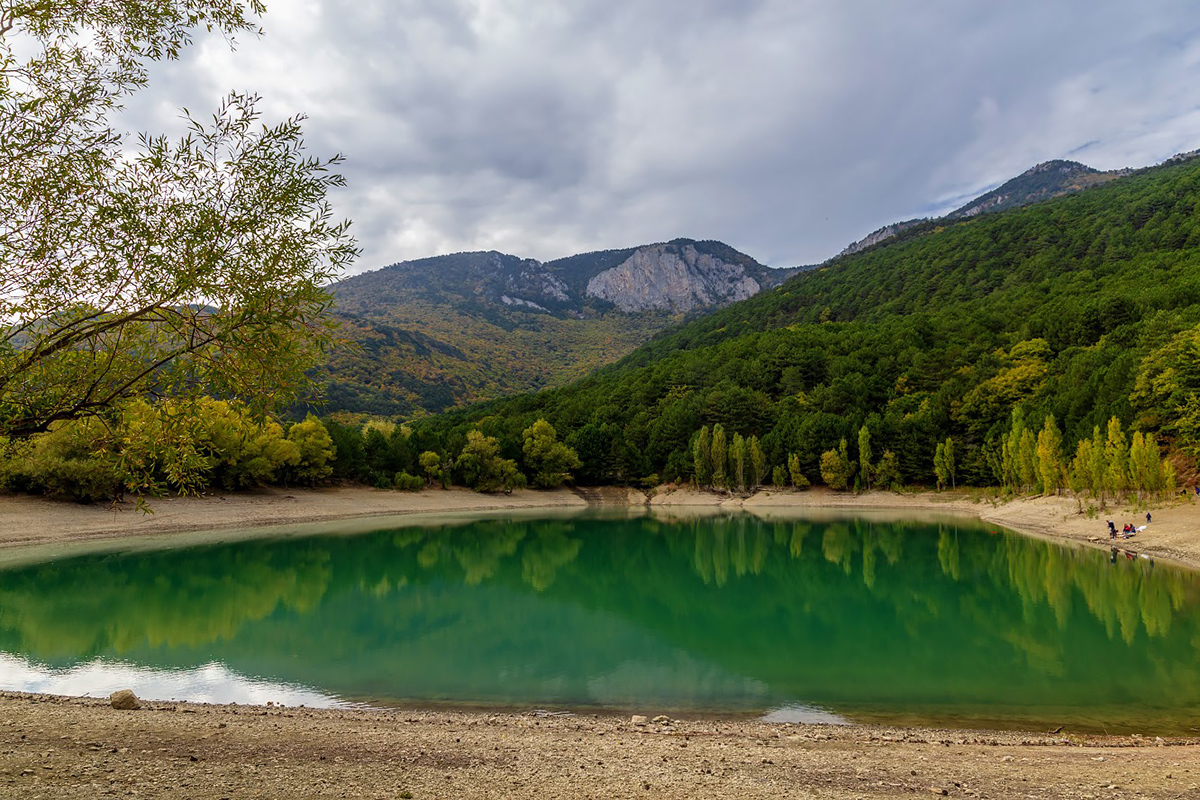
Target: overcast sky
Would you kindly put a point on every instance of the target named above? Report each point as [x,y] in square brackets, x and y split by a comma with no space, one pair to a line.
[785,128]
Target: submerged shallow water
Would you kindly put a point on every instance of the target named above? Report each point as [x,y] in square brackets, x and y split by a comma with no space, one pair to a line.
[805,619]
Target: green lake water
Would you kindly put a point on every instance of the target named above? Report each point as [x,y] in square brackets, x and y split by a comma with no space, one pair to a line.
[837,619]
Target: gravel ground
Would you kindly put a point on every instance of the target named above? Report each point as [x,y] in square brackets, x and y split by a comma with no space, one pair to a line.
[56,747]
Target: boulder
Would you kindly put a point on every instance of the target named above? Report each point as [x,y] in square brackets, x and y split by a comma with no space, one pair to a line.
[125,700]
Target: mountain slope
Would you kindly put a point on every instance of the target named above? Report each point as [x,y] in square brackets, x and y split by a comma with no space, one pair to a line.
[433,333]
[1082,307]
[1040,182]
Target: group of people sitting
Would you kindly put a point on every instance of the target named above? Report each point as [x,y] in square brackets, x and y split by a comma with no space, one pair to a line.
[1127,531]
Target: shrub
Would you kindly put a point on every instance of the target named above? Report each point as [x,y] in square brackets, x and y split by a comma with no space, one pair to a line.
[408,483]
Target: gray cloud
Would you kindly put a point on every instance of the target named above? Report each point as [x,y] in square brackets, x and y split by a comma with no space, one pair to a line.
[784,127]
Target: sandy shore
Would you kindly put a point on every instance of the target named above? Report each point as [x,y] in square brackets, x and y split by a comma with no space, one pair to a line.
[66,748]
[1173,534]
[77,748]
[34,520]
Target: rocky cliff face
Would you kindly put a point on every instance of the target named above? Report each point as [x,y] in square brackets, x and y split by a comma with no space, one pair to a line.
[672,277]
[875,237]
[434,333]
[675,277]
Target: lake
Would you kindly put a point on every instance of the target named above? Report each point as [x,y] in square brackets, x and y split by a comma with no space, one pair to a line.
[827,619]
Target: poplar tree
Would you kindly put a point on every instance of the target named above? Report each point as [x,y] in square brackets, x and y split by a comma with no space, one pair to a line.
[702,458]
[887,471]
[1011,452]
[948,457]
[737,462]
[939,466]
[1098,462]
[1083,474]
[758,462]
[864,455]
[1145,467]
[779,476]
[1049,456]
[1116,459]
[1027,459]
[720,454]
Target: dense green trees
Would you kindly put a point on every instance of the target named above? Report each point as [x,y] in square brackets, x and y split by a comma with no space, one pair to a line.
[987,351]
[969,335]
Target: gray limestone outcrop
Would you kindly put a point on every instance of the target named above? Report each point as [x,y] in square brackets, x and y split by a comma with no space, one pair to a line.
[663,277]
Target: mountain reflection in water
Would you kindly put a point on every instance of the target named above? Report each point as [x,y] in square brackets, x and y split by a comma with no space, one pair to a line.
[927,622]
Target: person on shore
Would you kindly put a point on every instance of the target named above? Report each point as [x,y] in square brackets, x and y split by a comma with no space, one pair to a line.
[1147,517]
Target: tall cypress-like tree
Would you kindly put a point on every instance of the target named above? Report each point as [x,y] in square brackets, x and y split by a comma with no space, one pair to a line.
[758,462]
[864,456]
[720,455]
[1027,460]
[737,462]
[1098,463]
[702,458]
[1049,456]
[948,457]
[1083,476]
[1116,459]
[939,466]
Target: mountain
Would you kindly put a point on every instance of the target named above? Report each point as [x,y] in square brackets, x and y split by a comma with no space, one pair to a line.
[429,334]
[1056,316]
[1040,182]
[679,276]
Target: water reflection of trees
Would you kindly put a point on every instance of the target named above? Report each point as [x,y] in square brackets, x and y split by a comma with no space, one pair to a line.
[1127,598]
[92,605]
[814,581]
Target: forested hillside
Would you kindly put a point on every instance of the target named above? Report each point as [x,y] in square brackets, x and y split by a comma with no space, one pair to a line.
[426,335]
[1082,308]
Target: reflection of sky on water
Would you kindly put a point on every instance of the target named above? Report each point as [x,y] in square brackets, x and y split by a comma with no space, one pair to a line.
[807,714]
[210,683]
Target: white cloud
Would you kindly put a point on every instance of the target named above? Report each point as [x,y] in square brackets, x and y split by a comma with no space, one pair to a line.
[784,128]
